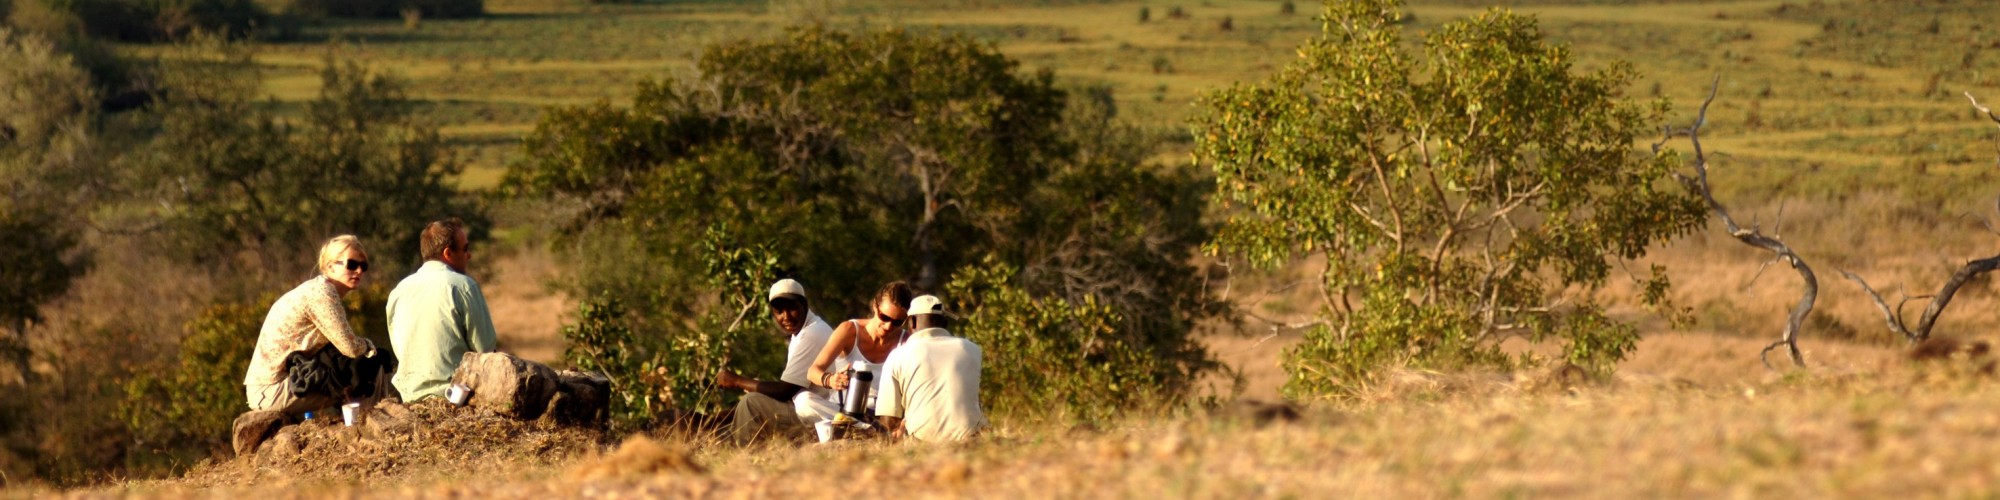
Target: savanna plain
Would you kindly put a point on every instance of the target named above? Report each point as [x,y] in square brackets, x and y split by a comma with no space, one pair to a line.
[1842,127]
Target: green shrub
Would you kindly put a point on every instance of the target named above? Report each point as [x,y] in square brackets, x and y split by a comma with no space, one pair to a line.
[664,368]
[187,411]
[157,20]
[47,152]
[1456,192]
[440,9]
[243,183]
[1047,358]
[182,413]
[867,157]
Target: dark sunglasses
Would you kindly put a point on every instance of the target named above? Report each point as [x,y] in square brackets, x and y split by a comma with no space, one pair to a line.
[893,323]
[355,264]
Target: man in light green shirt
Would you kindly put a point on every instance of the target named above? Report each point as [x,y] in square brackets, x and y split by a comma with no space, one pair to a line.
[437,314]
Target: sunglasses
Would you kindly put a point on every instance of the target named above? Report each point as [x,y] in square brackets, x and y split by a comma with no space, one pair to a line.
[354,264]
[893,322]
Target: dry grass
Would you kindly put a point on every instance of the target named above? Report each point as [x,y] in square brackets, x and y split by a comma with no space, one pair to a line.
[527,313]
[1865,425]
[1872,169]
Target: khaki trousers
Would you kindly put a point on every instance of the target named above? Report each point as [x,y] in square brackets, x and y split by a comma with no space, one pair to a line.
[279,397]
[758,415]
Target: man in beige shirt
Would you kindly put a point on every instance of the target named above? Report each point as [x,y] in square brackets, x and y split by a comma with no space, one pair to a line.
[930,388]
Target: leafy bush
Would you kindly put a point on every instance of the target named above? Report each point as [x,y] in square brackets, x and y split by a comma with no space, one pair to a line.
[1047,358]
[240,182]
[669,370]
[1454,197]
[183,413]
[443,9]
[860,158]
[157,20]
[47,153]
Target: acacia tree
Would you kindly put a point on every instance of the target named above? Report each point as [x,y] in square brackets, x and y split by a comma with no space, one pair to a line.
[47,157]
[1455,194]
[865,157]
[238,180]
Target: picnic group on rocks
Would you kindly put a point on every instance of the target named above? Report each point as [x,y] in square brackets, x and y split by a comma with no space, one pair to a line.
[897,373]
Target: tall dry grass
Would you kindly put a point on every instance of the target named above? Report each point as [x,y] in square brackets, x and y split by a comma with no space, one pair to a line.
[1868,425]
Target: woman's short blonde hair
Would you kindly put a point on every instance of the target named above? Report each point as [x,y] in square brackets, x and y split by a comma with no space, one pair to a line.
[337,246]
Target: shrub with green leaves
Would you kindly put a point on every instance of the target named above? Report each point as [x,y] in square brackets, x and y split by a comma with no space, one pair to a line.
[238,181]
[182,413]
[1455,192]
[1046,358]
[48,153]
[662,368]
[442,9]
[157,20]
[861,158]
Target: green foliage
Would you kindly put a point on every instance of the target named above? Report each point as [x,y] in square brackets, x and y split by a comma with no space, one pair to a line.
[157,20]
[192,405]
[1454,196]
[239,180]
[661,375]
[184,412]
[46,156]
[865,157]
[392,8]
[1048,358]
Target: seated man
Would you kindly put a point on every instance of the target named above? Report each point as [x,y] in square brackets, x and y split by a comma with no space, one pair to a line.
[437,314]
[768,404]
[930,387]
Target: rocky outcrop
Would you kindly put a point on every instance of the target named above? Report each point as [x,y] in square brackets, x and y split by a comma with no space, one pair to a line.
[506,384]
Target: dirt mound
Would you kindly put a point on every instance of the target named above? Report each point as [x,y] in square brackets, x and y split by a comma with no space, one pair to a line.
[428,434]
[639,456]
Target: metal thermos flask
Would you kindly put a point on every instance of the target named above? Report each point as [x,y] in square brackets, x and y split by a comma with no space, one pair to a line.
[857,393]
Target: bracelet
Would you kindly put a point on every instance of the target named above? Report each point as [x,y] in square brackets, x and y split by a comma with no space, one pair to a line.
[822,379]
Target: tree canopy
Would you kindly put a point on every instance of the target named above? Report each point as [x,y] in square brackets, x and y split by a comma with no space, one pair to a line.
[1455,192]
[862,158]
[240,182]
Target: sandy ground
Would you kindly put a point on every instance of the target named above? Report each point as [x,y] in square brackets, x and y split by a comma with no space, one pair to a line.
[526,313]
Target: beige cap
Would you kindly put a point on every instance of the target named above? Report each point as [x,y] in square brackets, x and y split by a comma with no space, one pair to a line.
[929,304]
[785,287]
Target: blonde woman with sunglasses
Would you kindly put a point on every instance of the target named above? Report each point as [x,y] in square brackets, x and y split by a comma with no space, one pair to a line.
[299,328]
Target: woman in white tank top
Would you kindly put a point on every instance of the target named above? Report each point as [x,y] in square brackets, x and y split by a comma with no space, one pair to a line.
[856,343]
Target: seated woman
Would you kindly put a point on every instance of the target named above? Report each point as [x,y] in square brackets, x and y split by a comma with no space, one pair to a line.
[302,323]
[857,344]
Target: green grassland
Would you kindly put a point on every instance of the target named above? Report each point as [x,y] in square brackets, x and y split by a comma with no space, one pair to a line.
[1852,92]
[1845,120]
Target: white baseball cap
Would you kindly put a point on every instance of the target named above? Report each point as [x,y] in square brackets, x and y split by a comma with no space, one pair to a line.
[785,287]
[929,304]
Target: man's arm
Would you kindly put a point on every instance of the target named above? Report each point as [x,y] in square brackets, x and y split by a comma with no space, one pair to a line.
[892,426]
[779,390]
[479,335]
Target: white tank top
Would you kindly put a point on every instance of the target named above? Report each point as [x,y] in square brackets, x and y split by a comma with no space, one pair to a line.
[856,360]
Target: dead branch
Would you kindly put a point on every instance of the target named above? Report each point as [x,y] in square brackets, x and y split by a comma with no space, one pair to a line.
[1991,116]
[1922,330]
[1753,236]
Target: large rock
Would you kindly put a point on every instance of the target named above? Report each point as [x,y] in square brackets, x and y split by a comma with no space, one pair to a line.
[284,445]
[506,384]
[582,399]
[251,429]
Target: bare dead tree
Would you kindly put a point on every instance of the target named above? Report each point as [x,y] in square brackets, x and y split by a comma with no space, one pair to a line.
[1991,116]
[1922,330]
[1752,236]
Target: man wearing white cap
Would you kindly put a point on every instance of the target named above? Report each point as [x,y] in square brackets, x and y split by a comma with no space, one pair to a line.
[931,391]
[767,406]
